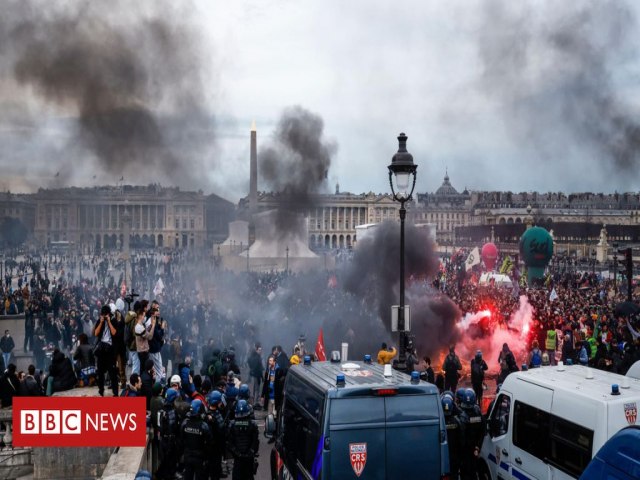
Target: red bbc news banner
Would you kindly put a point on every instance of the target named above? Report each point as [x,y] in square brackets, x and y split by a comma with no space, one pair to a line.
[79,421]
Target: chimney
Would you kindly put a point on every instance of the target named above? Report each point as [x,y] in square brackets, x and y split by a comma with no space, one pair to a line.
[253,171]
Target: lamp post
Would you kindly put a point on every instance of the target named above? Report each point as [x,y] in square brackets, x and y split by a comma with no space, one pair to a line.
[615,267]
[403,170]
[593,261]
[287,250]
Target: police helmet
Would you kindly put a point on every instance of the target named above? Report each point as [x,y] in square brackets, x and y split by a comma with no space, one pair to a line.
[215,398]
[242,409]
[448,393]
[196,406]
[447,405]
[469,398]
[460,394]
[243,392]
[170,396]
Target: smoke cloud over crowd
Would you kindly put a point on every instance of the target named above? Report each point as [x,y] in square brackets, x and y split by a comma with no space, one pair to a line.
[374,276]
[132,75]
[552,69]
[296,163]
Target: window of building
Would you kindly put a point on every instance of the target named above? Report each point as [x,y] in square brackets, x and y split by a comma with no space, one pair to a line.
[184,223]
[192,223]
[177,223]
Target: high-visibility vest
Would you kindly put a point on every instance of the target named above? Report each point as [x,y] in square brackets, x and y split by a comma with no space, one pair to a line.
[550,342]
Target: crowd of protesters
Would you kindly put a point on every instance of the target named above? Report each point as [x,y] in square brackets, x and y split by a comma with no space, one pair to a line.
[197,334]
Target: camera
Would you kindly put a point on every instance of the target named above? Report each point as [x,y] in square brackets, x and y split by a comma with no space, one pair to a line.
[130,298]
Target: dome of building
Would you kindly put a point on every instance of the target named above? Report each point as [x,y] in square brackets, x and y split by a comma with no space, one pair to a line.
[446,188]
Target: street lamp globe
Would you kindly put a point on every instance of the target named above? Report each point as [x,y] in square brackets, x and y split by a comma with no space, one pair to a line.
[403,170]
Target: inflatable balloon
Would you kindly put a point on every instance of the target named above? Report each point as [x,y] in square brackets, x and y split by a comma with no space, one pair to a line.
[536,249]
[489,255]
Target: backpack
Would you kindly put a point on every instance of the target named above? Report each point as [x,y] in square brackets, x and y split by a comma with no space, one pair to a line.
[215,369]
[536,358]
[129,333]
[450,366]
[584,356]
[511,362]
[476,371]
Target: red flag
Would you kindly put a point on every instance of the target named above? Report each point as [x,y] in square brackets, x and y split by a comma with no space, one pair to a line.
[320,355]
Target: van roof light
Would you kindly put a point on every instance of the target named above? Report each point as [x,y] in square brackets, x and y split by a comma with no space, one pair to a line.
[525,367]
[340,382]
[367,358]
[335,356]
[307,360]
[625,383]
[589,374]
[569,362]
[560,366]
[415,377]
[614,389]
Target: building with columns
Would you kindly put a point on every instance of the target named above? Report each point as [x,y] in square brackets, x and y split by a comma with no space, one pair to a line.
[446,209]
[333,218]
[19,207]
[92,218]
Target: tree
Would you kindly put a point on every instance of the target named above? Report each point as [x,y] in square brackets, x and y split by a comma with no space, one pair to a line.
[13,232]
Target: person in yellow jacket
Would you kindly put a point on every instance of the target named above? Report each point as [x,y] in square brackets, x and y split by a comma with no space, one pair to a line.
[295,358]
[551,344]
[385,355]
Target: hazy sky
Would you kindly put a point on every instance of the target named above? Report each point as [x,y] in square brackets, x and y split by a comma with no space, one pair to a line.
[507,95]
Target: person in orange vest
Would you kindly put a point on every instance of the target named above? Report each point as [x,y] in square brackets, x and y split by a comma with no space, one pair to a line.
[385,355]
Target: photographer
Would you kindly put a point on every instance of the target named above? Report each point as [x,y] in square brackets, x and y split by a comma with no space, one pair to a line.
[104,351]
[157,341]
[143,334]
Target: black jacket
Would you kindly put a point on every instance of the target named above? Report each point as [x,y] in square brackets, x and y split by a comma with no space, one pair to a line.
[9,388]
[84,356]
[7,344]
[30,387]
[256,369]
[62,372]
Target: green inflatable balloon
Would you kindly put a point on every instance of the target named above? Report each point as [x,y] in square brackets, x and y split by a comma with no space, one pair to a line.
[536,249]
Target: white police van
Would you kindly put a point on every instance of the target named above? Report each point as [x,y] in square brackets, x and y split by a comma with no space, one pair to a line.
[549,422]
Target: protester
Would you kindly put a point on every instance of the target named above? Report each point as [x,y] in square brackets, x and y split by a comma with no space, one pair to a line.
[9,386]
[61,375]
[6,346]
[256,372]
[104,351]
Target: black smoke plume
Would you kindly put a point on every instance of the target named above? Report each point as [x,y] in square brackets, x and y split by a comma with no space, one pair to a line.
[553,70]
[115,66]
[374,276]
[296,163]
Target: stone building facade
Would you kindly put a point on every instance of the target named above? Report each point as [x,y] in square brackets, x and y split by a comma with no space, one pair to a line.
[92,218]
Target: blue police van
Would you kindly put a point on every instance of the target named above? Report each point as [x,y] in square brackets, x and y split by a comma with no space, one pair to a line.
[618,459]
[349,420]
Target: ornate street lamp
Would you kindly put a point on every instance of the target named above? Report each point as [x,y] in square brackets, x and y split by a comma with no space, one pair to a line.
[403,171]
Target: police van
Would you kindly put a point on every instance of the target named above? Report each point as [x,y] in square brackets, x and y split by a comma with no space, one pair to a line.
[351,421]
[548,423]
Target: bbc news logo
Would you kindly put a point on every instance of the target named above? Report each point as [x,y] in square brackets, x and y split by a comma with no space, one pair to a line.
[79,422]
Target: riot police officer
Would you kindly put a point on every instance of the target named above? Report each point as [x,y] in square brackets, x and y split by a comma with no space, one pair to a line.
[473,425]
[455,435]
[215,420]
[243,442]
[196,438]
[169,430]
